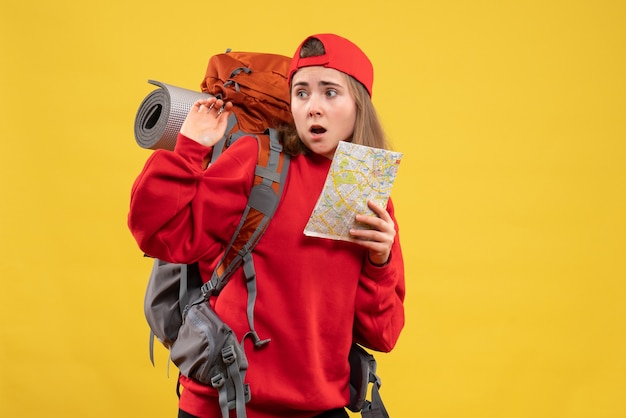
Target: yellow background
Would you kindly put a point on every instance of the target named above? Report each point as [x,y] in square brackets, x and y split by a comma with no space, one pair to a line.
[510,196]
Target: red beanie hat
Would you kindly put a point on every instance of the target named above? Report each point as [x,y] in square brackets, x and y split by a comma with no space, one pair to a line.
[341,55]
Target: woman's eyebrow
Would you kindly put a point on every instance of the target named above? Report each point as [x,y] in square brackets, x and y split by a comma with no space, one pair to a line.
[321,83]
[329,83]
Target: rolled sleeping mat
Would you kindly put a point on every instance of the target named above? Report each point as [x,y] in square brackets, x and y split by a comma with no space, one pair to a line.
[162,113]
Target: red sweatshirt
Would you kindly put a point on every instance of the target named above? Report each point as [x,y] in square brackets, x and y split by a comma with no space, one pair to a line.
[315,295]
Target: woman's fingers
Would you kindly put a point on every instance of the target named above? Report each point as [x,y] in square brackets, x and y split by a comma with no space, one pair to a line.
[207,120]
[212,103]
[380,235]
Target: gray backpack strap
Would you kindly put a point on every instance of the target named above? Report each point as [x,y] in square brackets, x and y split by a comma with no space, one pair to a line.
[234,384]
[183,294]
[263,199]
[269,175]
[233,387]
[227,139]
[151,347]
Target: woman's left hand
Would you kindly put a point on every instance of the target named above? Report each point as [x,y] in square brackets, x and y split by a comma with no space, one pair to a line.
[379,239]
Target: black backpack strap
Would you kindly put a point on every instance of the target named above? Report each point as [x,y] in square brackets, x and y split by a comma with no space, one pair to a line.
[362,374]
[374,408]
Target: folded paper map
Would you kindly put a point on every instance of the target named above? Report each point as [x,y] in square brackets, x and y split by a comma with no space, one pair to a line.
[357,174]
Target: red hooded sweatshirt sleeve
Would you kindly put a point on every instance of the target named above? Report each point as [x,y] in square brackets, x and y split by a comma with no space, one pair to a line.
[167,218]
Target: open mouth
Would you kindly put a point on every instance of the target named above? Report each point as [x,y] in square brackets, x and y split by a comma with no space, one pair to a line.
[317,130]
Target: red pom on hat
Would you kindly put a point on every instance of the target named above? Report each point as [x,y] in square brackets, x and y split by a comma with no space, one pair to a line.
[341,55]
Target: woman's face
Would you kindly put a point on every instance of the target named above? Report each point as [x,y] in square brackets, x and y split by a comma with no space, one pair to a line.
[323,108]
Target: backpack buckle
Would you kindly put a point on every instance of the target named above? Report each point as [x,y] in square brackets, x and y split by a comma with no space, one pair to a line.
[208,288]
[218,380]
[228,354]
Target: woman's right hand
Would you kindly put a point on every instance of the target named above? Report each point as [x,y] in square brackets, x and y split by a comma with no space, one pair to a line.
[206,121]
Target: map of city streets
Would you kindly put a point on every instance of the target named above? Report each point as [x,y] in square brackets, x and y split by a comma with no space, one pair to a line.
[357,174]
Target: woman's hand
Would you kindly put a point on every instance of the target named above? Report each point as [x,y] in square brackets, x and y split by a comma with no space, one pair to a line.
[206,121]
[379,239]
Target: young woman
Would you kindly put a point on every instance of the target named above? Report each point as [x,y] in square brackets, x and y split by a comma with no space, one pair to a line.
[315,295]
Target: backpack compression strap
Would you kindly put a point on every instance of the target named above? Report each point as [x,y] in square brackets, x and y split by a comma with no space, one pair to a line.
[269,180]
[362,374]
[374,408]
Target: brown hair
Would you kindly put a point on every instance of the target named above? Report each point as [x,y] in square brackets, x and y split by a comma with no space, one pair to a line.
[367,127]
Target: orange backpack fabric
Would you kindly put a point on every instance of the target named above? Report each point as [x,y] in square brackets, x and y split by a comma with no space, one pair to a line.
[256,84]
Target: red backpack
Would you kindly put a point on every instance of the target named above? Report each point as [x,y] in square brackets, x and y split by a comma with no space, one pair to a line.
[256,83]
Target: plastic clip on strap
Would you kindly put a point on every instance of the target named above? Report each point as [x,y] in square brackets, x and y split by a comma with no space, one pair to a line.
[218,382]
[231,384]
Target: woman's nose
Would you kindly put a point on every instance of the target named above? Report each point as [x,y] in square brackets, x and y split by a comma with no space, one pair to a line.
[314,106]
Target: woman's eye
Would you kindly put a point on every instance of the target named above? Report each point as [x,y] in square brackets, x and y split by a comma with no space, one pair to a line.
[301,93]
[331,93]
